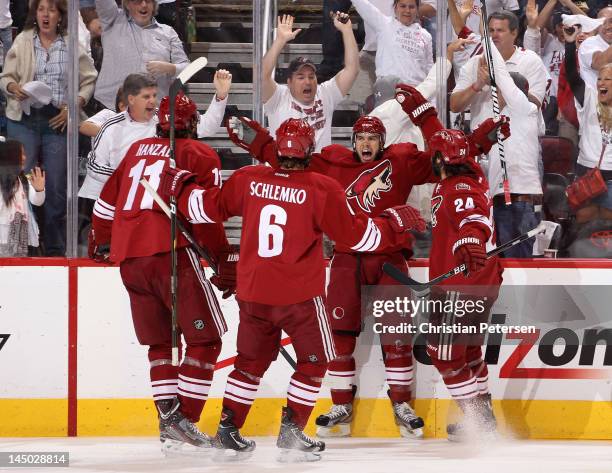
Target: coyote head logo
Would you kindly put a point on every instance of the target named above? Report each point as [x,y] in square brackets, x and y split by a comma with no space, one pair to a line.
[369,184]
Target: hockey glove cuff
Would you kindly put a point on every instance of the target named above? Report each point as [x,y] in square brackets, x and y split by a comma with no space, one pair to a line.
[403,218]
[99,252]
[485,135]
[469,249]
[225,279]
[172,181]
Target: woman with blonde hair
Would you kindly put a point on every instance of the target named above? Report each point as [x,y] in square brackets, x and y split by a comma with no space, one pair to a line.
[594,107]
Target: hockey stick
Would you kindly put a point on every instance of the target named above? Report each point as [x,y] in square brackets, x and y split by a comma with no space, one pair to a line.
[175,87]
[496,110]
[201,251]
[403,278]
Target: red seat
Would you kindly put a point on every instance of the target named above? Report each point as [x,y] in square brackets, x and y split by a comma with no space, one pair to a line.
[558,155]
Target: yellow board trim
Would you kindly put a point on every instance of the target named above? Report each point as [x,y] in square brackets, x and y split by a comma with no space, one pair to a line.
[34,417]
[536,419]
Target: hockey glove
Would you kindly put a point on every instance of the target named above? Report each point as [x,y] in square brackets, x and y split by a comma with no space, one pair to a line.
[100,253]
[172,181]
[470,249]
[414,104]
[403,218]
[243,132]
[225,279]
[485,135]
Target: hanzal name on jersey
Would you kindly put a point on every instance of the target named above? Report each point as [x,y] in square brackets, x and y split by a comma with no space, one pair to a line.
[275,192]
[153,149]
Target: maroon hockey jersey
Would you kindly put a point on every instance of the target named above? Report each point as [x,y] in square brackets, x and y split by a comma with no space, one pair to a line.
[369,187]
[458,201]
[125,210]
[285,214]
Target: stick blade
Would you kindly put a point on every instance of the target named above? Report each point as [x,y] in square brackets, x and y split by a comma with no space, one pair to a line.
[401,277]
[192,69]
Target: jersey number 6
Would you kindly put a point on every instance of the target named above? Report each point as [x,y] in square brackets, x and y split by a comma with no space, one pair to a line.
[271,219]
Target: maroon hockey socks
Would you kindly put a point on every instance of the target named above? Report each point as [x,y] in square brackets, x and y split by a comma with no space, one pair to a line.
[301,397]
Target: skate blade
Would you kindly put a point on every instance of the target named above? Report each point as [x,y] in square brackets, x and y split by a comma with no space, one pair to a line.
[174,449]
[338,430]
[227,455]
[411,433]
[297,456]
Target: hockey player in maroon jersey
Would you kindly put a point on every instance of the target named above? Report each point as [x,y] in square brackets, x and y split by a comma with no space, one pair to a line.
[374,178]
[139,237]
[281,274]
[462,232]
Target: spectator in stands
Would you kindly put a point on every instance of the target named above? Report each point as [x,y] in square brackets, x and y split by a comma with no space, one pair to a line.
[596,52]
[118,133]
[523,161]
[133,41]
[568,117]
[594,107]
[6,35]
[18,228]
[367,55]
[550,47]
[39,53]
[400,129]
[404,48]
[303,97]
[472,90]
[137,122]
[458,16]
[332,44]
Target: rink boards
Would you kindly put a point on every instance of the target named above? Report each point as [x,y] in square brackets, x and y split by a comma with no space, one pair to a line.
[70,364]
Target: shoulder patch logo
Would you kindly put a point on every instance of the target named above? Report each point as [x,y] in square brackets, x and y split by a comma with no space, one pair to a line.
[462,186]
[369,184]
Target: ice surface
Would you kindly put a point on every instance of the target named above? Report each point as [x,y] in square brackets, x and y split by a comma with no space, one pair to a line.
[356,455]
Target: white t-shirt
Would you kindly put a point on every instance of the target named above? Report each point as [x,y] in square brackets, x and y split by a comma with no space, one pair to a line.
[403,51]
[318,115]
[591,138]
[552,54]
[386,8]
[5,14]
[527,63]
[522,149]
[585,58]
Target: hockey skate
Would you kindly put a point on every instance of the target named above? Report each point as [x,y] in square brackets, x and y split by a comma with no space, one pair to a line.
[337,422]
[295,445]
[179,436]
[479,421]
[230,444]
[410,425]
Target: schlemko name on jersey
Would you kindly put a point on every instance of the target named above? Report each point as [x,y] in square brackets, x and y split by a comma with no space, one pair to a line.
[274,192]
[153,150]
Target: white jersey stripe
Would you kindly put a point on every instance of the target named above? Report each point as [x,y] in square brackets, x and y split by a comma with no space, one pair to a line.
[213,304]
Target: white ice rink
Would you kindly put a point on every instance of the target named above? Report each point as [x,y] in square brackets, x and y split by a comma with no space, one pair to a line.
[142,455]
